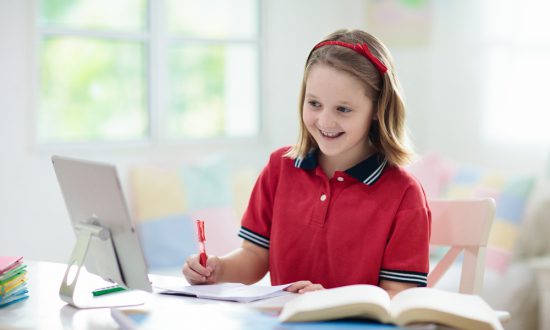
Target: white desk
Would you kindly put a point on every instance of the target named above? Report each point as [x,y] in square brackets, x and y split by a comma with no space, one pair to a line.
[45,310]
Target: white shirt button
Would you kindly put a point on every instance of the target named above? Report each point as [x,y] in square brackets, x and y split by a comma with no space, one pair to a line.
[341,179]
[323,197]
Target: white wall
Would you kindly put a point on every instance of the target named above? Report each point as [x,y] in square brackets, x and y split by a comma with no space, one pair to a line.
[292,28]
[33,219]
[439,82]
[453,121]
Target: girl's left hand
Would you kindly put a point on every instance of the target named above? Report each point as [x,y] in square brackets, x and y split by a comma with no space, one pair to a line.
[304,286]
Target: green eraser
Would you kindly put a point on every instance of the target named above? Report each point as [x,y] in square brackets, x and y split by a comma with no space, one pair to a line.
[111,289]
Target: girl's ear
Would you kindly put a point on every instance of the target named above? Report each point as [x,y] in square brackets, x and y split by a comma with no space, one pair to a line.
[375,116]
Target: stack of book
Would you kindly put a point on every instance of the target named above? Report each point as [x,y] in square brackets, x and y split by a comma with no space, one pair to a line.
[13,280]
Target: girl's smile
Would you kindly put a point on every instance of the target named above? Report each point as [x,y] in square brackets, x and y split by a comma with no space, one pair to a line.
[330,135]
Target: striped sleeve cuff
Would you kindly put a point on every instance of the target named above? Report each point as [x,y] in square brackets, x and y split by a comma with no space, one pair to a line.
[251,236]
[421,279]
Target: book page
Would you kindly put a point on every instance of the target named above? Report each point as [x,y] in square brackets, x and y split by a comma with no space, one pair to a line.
[462,311]
[273,305]
[361,300]
[228,291]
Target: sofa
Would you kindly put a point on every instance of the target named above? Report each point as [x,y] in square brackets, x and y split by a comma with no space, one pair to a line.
[167,198]
[519,235]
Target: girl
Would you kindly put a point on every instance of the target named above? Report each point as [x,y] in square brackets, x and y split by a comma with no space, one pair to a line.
[336,208]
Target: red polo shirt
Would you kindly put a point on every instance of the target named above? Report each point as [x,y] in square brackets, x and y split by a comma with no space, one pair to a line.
[369,223]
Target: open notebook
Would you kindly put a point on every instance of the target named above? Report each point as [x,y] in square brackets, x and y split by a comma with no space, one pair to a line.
[227,291]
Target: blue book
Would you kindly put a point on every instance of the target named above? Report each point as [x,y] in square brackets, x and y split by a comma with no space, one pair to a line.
[12,299]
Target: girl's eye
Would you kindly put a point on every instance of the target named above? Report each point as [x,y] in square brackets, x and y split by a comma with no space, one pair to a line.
[314,104]
[344,109]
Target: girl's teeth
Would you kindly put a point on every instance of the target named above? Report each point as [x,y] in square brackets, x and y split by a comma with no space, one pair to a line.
[329,134]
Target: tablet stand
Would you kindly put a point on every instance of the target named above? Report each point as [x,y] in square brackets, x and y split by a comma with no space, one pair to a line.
[100,237]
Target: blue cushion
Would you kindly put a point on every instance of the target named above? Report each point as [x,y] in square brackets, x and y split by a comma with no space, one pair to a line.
[168,241]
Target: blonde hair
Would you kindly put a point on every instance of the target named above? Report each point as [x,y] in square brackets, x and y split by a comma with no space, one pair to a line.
[387,134]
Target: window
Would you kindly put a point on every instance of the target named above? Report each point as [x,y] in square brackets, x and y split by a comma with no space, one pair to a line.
[517,43]
[135,70]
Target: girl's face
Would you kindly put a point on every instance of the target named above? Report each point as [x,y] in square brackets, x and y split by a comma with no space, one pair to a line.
[338,114]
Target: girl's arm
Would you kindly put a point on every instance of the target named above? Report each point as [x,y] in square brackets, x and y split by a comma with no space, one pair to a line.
[247,264]
[393,287]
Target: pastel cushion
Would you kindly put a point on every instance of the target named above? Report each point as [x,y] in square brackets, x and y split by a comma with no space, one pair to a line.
[242,182]
[221,225]
[433,172]
[168,240]
[511,196]
[207,184]
[156,192]
[167,201]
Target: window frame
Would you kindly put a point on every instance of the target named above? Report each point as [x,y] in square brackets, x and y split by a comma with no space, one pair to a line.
[156,41]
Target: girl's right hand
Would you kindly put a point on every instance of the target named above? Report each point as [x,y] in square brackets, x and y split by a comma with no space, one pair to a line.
[195,273]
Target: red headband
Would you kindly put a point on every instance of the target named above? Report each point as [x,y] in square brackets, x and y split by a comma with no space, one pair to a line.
[362,49]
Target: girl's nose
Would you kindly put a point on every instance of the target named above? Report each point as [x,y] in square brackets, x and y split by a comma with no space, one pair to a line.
[326,119]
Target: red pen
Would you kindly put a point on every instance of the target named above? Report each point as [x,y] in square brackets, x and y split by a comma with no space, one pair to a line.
[202,239]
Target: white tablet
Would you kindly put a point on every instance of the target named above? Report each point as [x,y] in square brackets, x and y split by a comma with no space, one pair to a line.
[93,196]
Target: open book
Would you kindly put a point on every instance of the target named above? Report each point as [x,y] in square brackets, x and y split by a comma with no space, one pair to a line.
[416,305]
[227,291]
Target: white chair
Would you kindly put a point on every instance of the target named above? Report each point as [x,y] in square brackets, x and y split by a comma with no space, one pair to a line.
[463,225]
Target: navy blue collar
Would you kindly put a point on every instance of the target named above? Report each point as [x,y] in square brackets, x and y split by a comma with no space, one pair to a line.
[367,171]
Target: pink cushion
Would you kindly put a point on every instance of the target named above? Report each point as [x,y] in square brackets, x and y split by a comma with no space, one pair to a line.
[433,172]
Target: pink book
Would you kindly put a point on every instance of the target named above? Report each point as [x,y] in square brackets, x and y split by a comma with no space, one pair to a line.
[7,263]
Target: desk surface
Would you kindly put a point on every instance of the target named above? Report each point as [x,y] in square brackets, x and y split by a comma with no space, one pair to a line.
[45,310]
